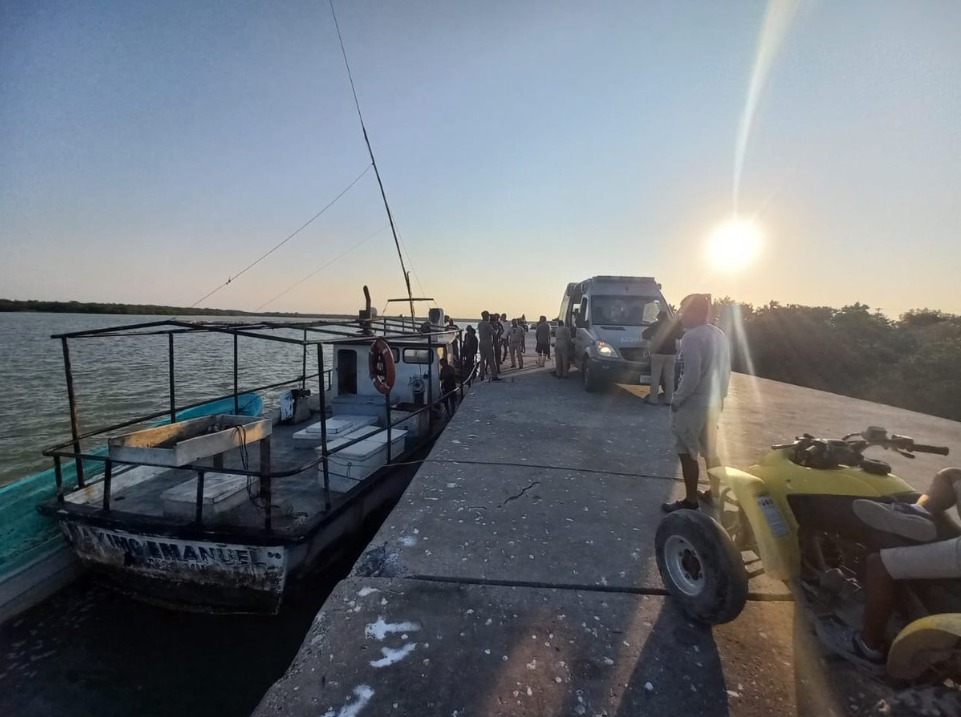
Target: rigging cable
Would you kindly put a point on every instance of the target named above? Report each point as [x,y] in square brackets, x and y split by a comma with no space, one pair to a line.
[370,151]
[317,271]
[413,271]
[295,233]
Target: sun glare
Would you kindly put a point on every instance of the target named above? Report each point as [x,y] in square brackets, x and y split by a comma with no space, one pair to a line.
[734,245]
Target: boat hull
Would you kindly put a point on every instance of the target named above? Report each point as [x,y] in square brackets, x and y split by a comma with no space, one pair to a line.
[35,562]
[188,574]
[178,568]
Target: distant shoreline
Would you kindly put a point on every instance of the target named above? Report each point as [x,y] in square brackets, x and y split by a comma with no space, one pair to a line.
[87,307]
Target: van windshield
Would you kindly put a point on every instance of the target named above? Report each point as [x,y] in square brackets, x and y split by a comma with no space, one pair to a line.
[625,310]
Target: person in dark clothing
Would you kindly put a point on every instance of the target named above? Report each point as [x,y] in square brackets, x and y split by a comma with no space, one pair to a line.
[542,334]
[505,334]
[448,386]
[663,335]
[455,344]
[468,353]
[498,328]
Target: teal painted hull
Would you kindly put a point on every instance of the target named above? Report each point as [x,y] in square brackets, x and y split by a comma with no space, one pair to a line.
[25,535]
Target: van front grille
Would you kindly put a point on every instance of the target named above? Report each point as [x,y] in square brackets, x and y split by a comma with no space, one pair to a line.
[635,354]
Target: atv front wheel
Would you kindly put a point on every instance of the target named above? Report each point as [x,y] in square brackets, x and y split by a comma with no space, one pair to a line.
[700,566]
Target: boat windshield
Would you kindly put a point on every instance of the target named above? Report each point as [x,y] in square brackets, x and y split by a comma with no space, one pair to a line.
[626,310]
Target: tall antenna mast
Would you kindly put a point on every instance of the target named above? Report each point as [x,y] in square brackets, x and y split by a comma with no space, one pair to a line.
[390,217]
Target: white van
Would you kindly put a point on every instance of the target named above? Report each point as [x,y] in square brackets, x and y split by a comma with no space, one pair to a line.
[607,315]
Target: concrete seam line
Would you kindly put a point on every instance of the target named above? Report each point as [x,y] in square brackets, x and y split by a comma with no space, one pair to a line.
[572,469]
[658,592]
[487,582]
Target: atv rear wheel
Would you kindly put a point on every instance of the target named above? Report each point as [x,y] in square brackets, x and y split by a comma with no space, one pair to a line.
[700,566]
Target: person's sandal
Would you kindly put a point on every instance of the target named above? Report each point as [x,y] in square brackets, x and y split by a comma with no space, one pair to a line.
[847,644]
[678,505]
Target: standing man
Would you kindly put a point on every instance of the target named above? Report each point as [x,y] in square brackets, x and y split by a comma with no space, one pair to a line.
[455,344]
[542,335]
[515,339]
[504,336]
[663,335]
[498,335]
[448,386]
[468,353]
[485,341]
[562,349]
[698,401]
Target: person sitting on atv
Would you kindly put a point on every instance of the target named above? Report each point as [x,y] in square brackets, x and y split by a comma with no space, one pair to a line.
[930,561]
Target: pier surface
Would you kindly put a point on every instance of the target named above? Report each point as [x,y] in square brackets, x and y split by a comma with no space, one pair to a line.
[517,575]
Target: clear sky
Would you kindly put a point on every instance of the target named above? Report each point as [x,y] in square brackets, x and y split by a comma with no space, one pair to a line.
[151,150]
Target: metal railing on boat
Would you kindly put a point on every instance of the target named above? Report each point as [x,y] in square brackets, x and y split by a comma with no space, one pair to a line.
[60,451]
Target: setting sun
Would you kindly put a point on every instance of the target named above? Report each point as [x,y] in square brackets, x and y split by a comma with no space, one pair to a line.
[734,245]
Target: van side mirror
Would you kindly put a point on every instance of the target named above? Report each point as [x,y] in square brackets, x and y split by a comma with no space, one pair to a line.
[580,323]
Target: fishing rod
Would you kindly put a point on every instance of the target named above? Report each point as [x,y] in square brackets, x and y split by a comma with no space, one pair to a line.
[370,151]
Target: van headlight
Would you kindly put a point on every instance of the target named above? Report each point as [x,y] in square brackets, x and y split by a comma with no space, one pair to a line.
[605,349]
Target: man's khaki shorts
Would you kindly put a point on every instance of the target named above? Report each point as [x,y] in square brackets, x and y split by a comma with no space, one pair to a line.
[924,562]
[695,430]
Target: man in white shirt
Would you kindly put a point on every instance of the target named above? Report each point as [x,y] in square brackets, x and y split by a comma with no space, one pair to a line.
[697,403]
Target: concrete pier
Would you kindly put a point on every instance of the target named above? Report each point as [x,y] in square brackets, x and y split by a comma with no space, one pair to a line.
[517,575]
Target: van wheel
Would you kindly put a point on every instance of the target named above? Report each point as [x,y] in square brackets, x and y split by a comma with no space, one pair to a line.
[588,375]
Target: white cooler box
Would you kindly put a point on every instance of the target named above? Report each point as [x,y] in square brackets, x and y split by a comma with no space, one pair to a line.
[365,432]
[351,465]
[337,426]
[222,492]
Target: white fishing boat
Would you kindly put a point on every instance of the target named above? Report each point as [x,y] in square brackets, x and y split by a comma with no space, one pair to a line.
[221,512]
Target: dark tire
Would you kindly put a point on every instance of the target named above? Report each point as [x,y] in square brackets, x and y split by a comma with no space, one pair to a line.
[700,566]
[588,375]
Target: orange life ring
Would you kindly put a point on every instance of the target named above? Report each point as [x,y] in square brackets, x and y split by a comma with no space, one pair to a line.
[380,362]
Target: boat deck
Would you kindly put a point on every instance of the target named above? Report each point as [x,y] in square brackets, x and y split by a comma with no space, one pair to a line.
[295,499]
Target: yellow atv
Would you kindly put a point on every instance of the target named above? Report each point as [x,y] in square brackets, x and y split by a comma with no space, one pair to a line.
[794,511]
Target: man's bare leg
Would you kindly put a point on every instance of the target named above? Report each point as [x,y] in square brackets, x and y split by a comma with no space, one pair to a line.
[691,472]
[879,603]
[943,491]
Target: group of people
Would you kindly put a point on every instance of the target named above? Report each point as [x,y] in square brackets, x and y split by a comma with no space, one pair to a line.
[494,340]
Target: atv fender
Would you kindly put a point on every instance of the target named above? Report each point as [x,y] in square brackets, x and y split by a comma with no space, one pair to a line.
[774,531]
[923,644]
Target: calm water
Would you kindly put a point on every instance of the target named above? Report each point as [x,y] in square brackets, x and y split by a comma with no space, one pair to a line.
[115,378]
[88,651]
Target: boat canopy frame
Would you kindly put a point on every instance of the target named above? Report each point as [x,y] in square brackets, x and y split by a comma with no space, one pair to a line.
[333,331]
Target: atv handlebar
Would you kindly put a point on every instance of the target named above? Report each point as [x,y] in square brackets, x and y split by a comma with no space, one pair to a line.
[871,436]
[921,448]
[905,444]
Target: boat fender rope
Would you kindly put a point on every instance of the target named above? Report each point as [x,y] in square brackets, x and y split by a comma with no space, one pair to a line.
[380,362]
